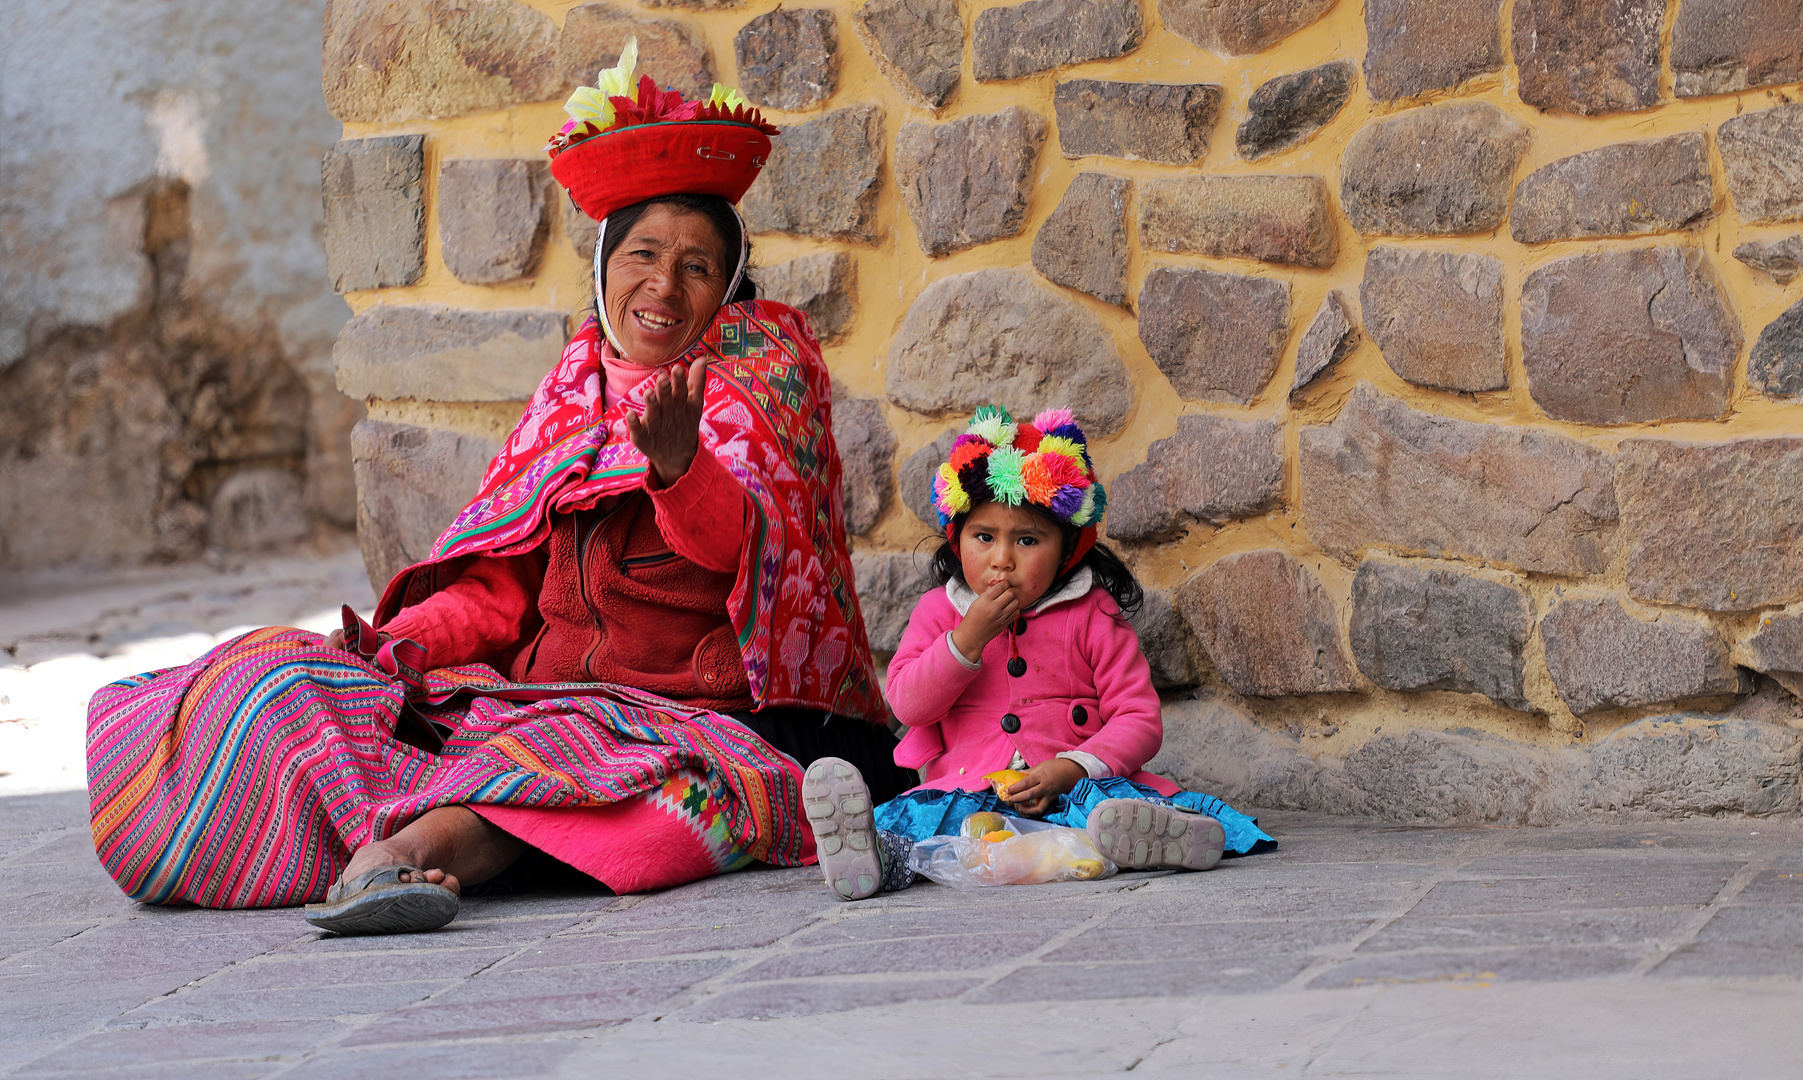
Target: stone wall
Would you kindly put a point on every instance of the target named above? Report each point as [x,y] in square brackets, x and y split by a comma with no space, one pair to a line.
[165,323]
[1443,357]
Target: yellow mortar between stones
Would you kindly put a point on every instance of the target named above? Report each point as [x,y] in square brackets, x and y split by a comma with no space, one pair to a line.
[892,274]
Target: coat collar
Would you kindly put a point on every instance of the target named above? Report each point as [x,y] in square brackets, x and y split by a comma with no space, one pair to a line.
[962,595]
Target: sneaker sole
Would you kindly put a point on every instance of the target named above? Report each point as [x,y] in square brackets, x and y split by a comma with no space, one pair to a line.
[837,803]
[1140,835]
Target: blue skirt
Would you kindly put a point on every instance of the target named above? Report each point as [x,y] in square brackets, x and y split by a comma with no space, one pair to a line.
[920,814]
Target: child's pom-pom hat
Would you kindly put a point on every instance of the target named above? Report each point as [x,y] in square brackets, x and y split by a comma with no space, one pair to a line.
[1045,463]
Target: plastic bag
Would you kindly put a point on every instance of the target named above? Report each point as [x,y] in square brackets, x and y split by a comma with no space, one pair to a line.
[1025,852]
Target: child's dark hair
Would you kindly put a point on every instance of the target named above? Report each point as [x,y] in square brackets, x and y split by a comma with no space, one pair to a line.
[1110,572]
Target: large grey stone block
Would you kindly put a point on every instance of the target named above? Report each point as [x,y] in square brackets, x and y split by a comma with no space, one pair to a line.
[375,212]
[1281,219]
[1213,469]
[427,352]
[1021,39]
[823,287]
[1217,337]
[1268,624]
[916,477]
[1414,46]
[889,585]
[1383,474]
[1239,27]
[1687,764]
[1083,243]
[1762,155]
[1659,768]
[669,51]
[967,182]
[1775,367]
[917,44]
[1587,58]
[411,482]
[1437,316]
[1438,171]
[1601,656]
[1162,122]
[789,58]
[1627,189]
[867,452]
[821,179]
[995,336]
[1621,337]
[1433,626]
[1170,648]
[1717,526]
[1720,46]
[394,61]
[1775,647]
[493,217]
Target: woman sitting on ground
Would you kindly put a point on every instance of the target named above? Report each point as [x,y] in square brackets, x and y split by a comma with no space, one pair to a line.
[649,598]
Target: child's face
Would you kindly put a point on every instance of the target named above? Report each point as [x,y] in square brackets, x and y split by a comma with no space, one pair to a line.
[1008,543]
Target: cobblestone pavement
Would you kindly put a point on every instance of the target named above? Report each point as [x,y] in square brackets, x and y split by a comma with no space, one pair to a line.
[1668,950]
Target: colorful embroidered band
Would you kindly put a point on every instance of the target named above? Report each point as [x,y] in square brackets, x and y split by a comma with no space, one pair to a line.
[1045,463]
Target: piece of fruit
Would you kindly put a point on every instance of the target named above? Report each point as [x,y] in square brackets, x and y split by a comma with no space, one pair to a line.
[982,823]
[999,835]
[1003,779]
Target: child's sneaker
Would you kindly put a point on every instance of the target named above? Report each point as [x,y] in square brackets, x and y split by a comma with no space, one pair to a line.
[1135,835]
[838,808]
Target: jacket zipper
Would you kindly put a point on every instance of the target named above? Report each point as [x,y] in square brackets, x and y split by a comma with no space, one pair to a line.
[582,545]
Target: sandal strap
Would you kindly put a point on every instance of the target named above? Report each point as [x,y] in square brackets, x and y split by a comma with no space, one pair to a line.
[381,875]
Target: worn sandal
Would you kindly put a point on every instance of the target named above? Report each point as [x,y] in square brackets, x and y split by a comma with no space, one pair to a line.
[1136,834]
[379,902]
[837,802]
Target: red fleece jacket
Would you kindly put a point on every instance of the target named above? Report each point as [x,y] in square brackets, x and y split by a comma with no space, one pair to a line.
[485,611]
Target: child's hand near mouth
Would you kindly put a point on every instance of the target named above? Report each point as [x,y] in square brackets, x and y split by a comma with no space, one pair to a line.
[993,611]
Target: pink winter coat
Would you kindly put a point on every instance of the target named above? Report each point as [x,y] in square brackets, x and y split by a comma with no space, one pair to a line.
[1086,687]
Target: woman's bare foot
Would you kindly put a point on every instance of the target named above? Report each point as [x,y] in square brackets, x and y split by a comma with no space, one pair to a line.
[453,845]
[384,853]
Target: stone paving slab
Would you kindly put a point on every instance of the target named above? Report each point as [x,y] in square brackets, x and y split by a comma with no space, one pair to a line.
[1354,949]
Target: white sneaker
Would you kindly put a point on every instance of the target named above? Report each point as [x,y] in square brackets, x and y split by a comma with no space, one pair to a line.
[838,807]
[1136,835]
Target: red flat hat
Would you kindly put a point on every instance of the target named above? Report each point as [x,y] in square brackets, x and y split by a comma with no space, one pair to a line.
[618,168]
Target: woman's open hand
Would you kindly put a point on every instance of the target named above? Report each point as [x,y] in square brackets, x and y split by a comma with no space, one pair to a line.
[989,614]
[1034,793]
[669,434]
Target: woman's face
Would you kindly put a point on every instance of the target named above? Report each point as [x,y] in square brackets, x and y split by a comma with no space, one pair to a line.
[664,283]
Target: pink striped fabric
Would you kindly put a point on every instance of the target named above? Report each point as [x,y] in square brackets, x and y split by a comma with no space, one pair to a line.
[247,778]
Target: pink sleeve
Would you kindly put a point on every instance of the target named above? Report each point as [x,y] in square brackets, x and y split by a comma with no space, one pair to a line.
[925,679]
[477,616]
[702,515]
[1133,723]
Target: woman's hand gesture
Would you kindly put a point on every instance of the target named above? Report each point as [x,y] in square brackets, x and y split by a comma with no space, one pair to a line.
[669,433]
[990,613]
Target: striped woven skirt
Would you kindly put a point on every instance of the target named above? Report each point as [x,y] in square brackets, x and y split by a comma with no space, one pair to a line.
[248,777]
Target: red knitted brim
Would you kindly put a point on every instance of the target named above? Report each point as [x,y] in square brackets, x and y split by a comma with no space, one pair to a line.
[616,169]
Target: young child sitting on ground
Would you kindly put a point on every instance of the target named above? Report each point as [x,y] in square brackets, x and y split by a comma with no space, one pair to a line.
[1025,661]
